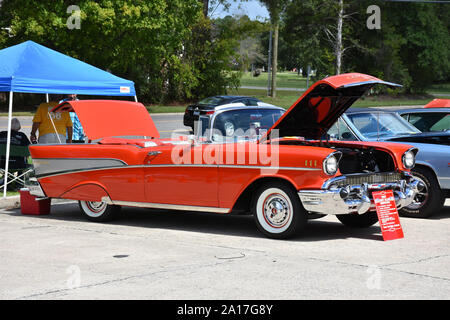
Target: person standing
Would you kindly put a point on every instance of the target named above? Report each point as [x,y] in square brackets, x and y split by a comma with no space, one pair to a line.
[77,132]
[52,126]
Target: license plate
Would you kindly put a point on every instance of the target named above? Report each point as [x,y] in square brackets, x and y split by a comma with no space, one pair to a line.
[196,113]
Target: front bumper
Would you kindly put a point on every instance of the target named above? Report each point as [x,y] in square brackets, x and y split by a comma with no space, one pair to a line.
[341,198]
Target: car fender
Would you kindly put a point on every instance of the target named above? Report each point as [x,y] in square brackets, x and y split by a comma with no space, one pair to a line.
[86,191]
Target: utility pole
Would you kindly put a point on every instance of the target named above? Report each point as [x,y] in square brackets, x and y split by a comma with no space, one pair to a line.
[269,66]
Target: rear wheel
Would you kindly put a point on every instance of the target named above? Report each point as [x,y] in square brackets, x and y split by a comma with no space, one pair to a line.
[429,200]
[277,211]
[99,211]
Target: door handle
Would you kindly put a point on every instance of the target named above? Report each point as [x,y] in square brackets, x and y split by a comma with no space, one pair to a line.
[154,153]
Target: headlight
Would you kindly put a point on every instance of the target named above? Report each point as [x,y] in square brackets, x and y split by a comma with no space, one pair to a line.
[409,159]
[330,164]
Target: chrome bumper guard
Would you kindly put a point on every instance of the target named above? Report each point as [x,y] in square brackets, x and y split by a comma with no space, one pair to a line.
[350,199]
[33,185]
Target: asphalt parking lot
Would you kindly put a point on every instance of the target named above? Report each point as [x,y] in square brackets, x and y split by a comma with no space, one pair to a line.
[181,255]
[149,254]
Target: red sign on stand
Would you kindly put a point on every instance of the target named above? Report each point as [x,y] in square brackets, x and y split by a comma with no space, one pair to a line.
[387,215]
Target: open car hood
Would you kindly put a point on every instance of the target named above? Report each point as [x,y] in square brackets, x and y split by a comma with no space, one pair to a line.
[111,118]
[322,104]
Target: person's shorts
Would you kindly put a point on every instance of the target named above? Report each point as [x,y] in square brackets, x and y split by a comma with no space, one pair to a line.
[52,138]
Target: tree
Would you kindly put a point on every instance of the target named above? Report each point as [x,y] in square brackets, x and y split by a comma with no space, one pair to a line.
[144,41]
[247,36]
[275,8]
[412,47]
[309,27]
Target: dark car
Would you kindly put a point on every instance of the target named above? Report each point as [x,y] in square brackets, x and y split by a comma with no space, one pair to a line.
[427,119]
[209,105]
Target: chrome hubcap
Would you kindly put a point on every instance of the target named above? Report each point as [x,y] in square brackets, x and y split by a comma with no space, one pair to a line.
[96,206]
[421,197]
[276,210]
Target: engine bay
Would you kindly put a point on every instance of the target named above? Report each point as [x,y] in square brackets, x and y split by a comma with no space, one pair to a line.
[370,160]
[355,159]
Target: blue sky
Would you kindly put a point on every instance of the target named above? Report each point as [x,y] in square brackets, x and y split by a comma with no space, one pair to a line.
[252,8]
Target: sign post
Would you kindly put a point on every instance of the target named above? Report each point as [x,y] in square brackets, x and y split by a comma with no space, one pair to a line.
[388,215]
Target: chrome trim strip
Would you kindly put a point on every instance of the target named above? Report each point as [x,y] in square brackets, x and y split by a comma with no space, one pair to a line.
[165,206]
[233,166]
[83,170]
[48,166]
[40,176]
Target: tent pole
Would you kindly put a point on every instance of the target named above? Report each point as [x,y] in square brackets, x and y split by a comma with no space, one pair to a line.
[135,98]
[46,98]
[8,142]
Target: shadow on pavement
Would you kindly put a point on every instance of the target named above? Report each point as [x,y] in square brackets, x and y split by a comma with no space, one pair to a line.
[222,224]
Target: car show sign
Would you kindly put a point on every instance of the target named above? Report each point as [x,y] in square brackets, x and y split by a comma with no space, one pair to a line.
[388,218]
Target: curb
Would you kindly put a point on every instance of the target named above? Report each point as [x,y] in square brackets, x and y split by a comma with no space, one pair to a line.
[13,202]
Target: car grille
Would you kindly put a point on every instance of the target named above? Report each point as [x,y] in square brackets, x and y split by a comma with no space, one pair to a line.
[370,178]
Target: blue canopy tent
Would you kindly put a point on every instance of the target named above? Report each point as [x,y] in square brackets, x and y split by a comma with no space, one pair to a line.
[32,68]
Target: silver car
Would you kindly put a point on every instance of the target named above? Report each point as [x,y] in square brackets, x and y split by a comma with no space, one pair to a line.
[432,161]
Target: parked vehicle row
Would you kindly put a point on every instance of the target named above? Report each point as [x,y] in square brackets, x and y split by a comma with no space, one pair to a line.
[284,168]
[432,166]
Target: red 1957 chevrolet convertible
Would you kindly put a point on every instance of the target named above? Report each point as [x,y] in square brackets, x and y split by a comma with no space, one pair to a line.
[288,175]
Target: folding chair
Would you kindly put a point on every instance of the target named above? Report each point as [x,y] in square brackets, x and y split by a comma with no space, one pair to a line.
[17,169]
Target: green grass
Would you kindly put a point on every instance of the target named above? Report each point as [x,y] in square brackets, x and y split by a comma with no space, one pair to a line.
[284,79]
[439,88]
[166,109]
[285,99]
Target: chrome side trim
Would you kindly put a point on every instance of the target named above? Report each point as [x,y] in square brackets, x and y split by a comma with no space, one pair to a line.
[165,206]
[233,166]
[49,166]
[40,176]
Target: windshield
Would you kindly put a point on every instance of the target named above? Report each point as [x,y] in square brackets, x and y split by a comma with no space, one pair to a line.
[429,121]
[215,101]
[243,124]
[373,125]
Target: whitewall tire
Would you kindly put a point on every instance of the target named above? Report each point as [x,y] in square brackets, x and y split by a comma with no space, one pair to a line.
[277,211]
[98,211]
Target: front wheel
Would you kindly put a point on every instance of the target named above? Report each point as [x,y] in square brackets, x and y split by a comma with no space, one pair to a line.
[277,211]
[99,211]
[429,200]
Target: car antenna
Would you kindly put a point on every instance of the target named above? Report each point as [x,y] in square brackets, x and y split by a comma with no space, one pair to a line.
[378,126]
